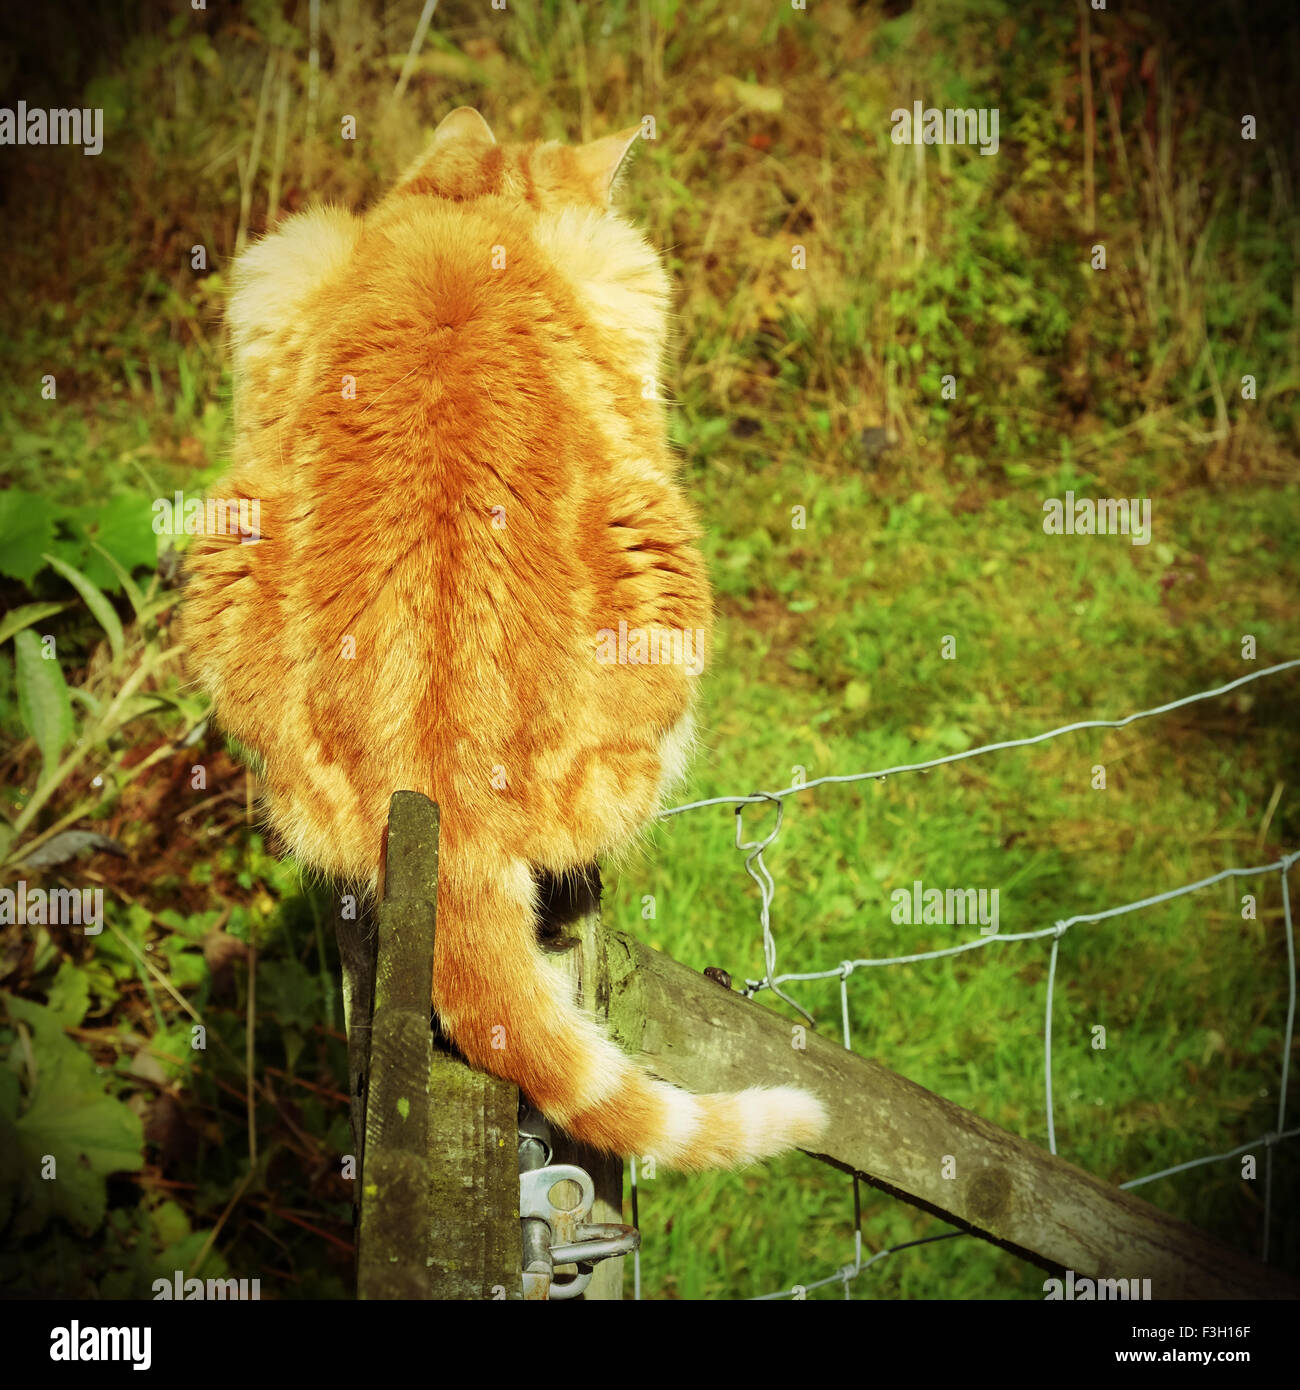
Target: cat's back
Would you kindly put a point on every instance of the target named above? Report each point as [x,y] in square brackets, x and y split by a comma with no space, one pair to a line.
[452,381]
[448,408]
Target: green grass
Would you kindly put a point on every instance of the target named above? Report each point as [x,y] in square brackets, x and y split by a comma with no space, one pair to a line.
[1192,998]
[773,133]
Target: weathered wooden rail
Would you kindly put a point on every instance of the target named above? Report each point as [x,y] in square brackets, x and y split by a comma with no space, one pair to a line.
[896,1135]
[438,1185]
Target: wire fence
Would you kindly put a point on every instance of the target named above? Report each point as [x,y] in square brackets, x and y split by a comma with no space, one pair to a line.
[758,871]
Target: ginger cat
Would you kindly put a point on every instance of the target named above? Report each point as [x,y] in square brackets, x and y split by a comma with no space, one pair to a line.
[446,411]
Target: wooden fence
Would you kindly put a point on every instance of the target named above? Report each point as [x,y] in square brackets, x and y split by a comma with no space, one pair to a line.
[438,1142]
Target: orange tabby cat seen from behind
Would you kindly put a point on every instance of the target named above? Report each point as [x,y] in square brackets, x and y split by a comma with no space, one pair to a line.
[477,579]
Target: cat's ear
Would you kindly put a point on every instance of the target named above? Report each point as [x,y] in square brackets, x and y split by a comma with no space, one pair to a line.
[600,160]
[464,125]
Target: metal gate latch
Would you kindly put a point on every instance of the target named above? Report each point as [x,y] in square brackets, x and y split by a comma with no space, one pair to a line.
[556,1230]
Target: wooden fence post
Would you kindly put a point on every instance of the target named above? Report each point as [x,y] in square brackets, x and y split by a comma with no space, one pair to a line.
[439,1210]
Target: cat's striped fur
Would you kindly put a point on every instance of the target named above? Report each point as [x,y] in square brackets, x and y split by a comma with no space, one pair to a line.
[494,492]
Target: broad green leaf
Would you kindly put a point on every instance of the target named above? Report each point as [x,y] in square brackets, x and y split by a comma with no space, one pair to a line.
[123,526]
[43,702]
[173,1050]
[18,618]
[194,927]
[26,530]
[70,1119]
[170,1223]
[88,1136]
[186,966]
[70,995]
[289,992]
[105,614]
[183,1254]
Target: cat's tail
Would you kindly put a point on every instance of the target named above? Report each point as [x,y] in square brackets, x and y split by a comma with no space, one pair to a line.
[512,1014]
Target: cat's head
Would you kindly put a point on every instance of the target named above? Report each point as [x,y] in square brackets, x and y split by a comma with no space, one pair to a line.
[464,162]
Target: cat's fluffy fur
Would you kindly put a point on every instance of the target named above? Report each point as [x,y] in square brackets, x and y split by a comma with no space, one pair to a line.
[497,492]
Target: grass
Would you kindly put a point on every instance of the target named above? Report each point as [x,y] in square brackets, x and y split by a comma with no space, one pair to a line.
[809,395]
[1191,997]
